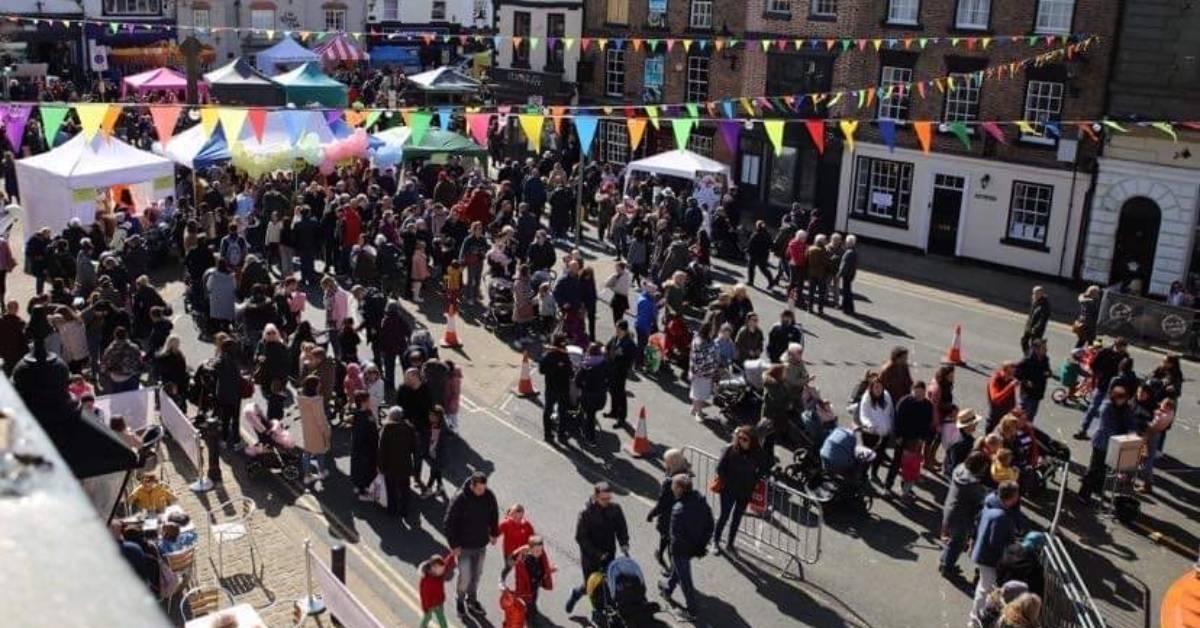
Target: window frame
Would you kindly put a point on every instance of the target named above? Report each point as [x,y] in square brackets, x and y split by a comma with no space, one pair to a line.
[903,102]
[204,24]
[701,143]
[616,17]
[556,60]
[612,56]
[894,21]
[614,137]
[778,7]
[973,26]
[334,12]
[260,12]
[1013,211]
[976,86]
[1037,17]
[433,11]
[706,21]
[521,52]
[865,186]
[1037,121]
[820,9]
[131,8]
[659,60]
[391,10]
[688,84]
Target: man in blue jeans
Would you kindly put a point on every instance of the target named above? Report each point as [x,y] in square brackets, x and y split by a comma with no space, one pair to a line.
[691,526]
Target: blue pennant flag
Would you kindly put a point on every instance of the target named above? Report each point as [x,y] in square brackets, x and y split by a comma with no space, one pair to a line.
[585,128]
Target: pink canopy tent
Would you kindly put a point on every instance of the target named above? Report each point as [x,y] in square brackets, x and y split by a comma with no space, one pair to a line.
[162,79]
[339,48]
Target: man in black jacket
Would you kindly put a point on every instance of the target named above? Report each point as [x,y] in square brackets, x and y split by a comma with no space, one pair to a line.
[783,333]
[691,526]
[472,522]
[622,351]
[599,530]
[759,250]
[1039,317]
[1105,367]
[555,366]
[306,237]
[1033,372]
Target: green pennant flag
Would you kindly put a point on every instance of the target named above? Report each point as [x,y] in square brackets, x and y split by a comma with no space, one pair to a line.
[846,43]
[924,41]
[862,96]
[533,42]
[683,130]
[1114,126]
[372,118]
[652,112]
[113,26]
[1166,127]
[651,45]
[52,119]
[960,131]
[419,123]
[693,110]
[1033,40]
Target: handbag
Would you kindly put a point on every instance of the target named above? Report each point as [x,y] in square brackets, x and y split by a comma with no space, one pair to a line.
[715,484]
[378,490]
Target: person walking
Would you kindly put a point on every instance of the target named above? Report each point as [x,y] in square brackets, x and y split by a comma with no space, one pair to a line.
[817,265]
[599,531]
[847,270]
[691,524]
[364,445]
[703,365]
[964,500]
[555,367]
[622,353]
[472,523]
[999,523]
[592,381]
[395,460]
[1039,317]
[317,435]
[740,467]
[620,282]
[1116,418]
[875,417]
[759,250]
[1033,372]
[1085,324]
[895,375]
[914,422]
[674,463]
[1105,366]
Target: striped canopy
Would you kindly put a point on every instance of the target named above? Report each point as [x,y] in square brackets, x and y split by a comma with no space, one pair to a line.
[341,47]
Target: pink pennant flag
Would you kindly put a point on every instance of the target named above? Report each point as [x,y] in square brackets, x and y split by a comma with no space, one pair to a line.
[164,117]
[258,122]
[477,125]
[994,130]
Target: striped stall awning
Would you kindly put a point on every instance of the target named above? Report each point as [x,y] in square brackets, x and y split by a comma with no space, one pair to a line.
[341,48]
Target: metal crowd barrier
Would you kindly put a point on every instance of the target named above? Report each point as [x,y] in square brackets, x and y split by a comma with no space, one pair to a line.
[780,518]
[1066,602]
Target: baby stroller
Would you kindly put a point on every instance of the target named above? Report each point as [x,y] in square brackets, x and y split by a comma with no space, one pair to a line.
[739,396]
[274,449]
[618,597]
[500,304]
[842,480]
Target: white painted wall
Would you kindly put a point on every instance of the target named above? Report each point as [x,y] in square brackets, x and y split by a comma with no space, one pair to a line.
[983,220]
[290,15]
[538,26]
[42,7]
[462,12]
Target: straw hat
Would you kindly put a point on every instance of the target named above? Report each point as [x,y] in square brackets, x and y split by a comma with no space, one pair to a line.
[966,418]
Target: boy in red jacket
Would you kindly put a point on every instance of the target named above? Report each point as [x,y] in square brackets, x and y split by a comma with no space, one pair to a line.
[435,572]
[516,530]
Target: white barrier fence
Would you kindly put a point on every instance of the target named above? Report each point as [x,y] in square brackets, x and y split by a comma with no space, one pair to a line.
[335,596]
[137,406]
[180,429]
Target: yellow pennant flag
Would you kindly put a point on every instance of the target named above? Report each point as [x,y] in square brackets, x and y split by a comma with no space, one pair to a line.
[531,124]
[231,122]
[1026,128]
[90,117]
[208,120]
[637,128]
[109,124]
[774,130]
[849,127]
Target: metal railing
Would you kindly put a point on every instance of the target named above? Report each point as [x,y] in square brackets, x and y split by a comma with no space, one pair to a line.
[778,518]
[1066,602]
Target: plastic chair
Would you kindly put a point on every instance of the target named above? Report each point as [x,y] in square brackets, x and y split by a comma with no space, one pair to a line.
[204,600]
[224,528]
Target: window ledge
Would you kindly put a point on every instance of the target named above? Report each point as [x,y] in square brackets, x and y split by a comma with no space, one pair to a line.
[822,18]
[1025,244]
[886,222]
[615,25]
[904,26]
[777,15]
[1045,33]
[971,31]
[1034,140]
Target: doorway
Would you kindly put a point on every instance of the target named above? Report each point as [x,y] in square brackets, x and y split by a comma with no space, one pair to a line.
[1137,241]
[944,214]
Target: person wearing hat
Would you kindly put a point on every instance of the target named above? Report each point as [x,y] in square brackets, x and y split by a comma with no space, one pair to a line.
[958,451]
[1022,562]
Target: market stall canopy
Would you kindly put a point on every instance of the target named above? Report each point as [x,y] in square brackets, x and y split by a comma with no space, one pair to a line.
[341,48]
[445,80]
[286,53]
[436,143]
[307,84]
[678,163]
[239,83]
[68,178]
[162,79]
[194,149]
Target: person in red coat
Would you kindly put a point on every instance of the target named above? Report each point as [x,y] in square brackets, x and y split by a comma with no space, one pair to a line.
[477,207]
[516,530]
[1002,393]
[529,573]
[435,572]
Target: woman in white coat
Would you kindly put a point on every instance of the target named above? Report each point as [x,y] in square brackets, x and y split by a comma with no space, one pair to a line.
[876,417]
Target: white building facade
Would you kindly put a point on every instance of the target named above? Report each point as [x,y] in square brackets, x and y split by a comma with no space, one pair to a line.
[1010,214]
[290,16]
[467,14]
[544,27]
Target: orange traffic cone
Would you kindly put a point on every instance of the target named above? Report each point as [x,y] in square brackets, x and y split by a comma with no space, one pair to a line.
[954,354]
[450,336]
[525,384]
[640,445]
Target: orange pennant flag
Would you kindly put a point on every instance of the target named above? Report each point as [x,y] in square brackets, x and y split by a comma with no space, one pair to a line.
[637,128]
[354,117]
[556,114]
[924,134]
[110,119]
[637,44]
[719,44]
[164,117]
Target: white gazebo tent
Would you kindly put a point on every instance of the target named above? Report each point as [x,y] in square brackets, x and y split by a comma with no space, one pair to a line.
[683,164]
[64,183]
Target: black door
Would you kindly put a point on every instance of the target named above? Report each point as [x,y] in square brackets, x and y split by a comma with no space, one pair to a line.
[1137,241]
[943,218]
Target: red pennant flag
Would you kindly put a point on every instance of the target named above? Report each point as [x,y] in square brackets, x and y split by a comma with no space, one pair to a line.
[816,129]
[258,122]
[164,117]
[994,130]
[921,89]
[584,42]
[970,43]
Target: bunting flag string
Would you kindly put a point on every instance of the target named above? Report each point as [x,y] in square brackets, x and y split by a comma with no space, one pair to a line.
[52,120]
[15,119]
[164,118]
[429,38]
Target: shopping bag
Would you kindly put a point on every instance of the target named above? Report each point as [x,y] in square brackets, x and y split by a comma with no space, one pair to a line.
[378,490]
[758,499]
[653,358]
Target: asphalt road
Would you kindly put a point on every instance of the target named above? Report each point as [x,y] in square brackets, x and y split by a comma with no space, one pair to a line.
[874,570]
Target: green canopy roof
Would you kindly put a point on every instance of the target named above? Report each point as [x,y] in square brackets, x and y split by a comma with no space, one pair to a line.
[309,84]
[439,142]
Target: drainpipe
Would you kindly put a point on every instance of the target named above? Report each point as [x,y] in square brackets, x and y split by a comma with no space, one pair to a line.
[1106,101]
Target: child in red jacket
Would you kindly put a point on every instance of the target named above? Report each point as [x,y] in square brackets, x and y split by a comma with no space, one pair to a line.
[516,530]
[435,572]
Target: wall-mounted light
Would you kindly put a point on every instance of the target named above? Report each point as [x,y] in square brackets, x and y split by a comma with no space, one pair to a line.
[985,181]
